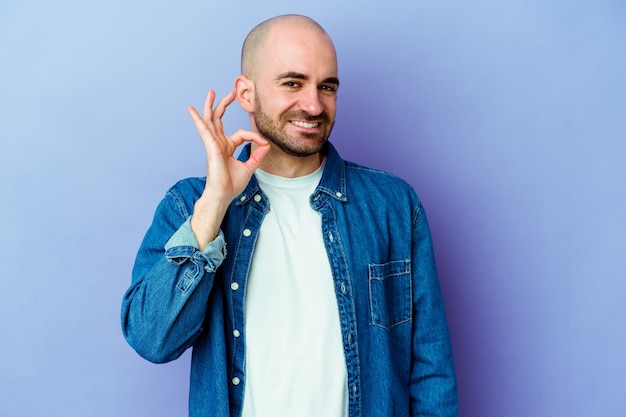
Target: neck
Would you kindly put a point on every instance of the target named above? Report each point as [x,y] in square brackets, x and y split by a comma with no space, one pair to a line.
[279,163]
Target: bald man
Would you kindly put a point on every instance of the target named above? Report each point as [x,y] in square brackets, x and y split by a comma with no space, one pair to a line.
[305,284]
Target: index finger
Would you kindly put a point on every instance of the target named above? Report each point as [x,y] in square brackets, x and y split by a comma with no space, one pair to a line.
[217,113]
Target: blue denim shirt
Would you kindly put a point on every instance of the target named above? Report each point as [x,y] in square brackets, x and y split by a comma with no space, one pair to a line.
[395,336]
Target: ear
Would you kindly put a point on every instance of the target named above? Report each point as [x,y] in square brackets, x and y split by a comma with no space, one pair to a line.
[244,91]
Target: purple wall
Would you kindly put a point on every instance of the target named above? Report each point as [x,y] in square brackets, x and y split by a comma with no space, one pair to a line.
[509,120]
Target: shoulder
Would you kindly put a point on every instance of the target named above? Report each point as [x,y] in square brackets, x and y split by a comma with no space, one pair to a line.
[362,177]
[188,187]
[383,192]
[184,193]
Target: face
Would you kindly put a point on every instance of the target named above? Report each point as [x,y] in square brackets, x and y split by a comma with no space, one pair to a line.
[296,91]
[294,132]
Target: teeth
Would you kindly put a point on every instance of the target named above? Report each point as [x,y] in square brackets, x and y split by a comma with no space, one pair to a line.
[305,124]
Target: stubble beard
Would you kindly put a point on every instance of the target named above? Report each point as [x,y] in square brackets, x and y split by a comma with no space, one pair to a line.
[274,132]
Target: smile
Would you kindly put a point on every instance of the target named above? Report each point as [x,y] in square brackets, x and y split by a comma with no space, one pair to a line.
[307,125]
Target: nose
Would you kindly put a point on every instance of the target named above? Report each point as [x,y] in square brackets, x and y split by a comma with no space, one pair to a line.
[311,101]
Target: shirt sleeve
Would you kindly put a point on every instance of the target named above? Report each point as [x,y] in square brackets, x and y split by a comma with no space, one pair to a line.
[184,245]
[433,381]
[164,308]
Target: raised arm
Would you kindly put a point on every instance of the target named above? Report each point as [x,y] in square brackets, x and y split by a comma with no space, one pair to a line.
[163,310]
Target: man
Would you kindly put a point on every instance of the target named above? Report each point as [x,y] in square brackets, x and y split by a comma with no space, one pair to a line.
[305,284]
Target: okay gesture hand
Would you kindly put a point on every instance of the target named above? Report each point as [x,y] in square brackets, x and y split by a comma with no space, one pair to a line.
[226,176]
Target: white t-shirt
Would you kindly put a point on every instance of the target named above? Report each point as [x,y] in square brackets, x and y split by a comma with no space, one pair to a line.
[295,364]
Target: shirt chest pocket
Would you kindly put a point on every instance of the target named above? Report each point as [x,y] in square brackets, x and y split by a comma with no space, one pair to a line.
[390,293]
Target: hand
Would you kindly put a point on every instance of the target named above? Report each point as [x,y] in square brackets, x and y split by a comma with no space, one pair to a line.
[226,176]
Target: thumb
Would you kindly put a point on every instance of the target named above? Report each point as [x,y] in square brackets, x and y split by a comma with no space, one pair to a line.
[257,155]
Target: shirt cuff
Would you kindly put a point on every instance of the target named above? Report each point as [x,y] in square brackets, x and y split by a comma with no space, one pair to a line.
[183,242]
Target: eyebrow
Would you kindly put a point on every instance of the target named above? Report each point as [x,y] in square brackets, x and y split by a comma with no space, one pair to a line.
[300,76]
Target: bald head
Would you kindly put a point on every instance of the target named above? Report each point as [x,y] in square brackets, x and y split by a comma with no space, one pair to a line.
[256,40]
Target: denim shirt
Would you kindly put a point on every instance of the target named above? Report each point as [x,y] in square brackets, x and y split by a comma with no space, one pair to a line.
[395,336]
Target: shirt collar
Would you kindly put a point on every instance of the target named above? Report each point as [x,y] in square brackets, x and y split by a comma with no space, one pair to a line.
[333,182]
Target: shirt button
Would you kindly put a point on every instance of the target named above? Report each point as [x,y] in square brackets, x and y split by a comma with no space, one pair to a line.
[247,232]
[236,333]
[257,198]
[242,198]
[236,381]
[234,286]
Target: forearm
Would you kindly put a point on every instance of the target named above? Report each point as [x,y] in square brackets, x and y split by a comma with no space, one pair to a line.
[207,217]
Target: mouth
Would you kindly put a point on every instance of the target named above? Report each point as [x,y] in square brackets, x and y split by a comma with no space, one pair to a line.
[306,125]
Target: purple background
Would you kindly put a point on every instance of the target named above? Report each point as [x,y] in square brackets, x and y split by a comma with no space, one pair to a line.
[509,119]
